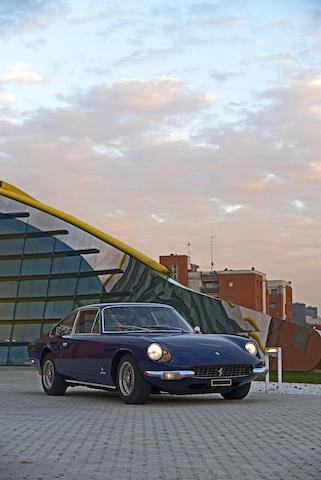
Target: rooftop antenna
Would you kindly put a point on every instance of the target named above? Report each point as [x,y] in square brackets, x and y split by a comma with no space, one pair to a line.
[212,263]
[188,249]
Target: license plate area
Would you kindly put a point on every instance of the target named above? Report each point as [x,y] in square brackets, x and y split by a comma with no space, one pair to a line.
[221,382]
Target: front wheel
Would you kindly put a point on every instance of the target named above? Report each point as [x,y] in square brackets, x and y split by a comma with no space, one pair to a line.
[132,386]
[237,393]
[52,382]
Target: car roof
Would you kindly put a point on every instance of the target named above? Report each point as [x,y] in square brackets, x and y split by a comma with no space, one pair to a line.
[124,304]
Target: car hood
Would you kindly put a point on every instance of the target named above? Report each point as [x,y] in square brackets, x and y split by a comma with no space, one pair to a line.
[204,350]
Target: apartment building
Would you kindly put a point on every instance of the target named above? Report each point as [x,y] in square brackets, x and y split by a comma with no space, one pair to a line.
[249,288]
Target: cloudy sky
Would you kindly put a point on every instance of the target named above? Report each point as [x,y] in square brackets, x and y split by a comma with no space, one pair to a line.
[167,122]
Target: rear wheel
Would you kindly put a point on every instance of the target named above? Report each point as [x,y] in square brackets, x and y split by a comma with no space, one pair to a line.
[131,384]
[52,382]
[237,393]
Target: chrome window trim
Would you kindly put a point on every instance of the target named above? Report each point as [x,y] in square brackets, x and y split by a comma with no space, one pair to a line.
[75,323]
[155,305]
[76,334]
[97,320]
[81,334]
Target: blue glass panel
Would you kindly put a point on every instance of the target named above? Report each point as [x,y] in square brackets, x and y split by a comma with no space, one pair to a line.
[9,247]
[33,288]
[62,286]
[36,266]
[29,310]
[18,355]
[5,331]
[89,285]
[11,225]
[46,327]
[61,246]
[58,309]
[80,302]
[25,332]
[3,355]
[66,265]
[8,289]
[36,245]
[6,311]
[84,266]
[9,267]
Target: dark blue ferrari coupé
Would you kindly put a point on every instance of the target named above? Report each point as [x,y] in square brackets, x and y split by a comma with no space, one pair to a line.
[139,349]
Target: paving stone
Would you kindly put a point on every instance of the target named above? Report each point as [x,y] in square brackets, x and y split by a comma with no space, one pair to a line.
[92,435]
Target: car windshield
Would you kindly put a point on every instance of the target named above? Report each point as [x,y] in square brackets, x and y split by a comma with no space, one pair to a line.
[144,318]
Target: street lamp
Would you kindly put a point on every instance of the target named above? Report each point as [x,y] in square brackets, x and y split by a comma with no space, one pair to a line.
[273,352]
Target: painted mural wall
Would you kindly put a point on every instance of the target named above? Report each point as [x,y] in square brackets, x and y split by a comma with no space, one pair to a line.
[301,345]
[51,263]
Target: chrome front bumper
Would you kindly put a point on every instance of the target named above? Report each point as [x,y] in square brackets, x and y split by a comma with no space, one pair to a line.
[179,374]
[169,374]
[260,371]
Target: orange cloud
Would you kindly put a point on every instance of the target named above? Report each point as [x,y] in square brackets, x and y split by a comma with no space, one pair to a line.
[20,73]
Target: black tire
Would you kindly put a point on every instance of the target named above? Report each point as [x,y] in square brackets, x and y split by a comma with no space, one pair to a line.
[132,387]
[52,382]
[237,393]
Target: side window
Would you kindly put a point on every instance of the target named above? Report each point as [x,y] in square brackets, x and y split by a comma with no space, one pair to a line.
[85,322]
[65,327]
[95,327]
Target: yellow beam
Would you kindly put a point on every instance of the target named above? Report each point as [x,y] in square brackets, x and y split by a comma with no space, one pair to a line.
[12,188]
[15,193]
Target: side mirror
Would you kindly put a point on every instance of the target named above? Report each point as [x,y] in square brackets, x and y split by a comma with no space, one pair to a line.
[197,329]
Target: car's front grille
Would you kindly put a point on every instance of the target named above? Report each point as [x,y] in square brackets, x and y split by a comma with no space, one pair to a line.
[210,371]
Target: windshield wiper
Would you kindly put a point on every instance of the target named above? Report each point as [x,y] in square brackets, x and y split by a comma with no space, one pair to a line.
[131,327]
[150,329]
[168,328]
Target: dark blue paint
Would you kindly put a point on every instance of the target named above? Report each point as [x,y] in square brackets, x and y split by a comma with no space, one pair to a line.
[89,358]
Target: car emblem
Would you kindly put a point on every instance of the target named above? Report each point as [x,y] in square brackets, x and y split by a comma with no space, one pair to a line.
[102,371]
[220,371]
[217,353]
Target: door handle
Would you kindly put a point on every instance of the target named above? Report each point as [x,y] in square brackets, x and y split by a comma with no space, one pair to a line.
[65,344]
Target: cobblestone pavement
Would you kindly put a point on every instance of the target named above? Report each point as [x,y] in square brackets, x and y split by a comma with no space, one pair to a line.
[92,435]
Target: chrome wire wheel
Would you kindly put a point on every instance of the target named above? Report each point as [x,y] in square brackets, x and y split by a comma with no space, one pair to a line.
[48,374]
[126,379]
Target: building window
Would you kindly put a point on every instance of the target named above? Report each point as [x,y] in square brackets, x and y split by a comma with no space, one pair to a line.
[231,283]
[274,290]
[209,284]
[272,306]
[174,269]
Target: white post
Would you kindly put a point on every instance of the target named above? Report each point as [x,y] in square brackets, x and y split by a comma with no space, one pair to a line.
[267,376]
[279,368]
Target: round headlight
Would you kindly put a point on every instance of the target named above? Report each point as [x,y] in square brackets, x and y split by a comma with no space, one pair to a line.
[251,348]
[155,351]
